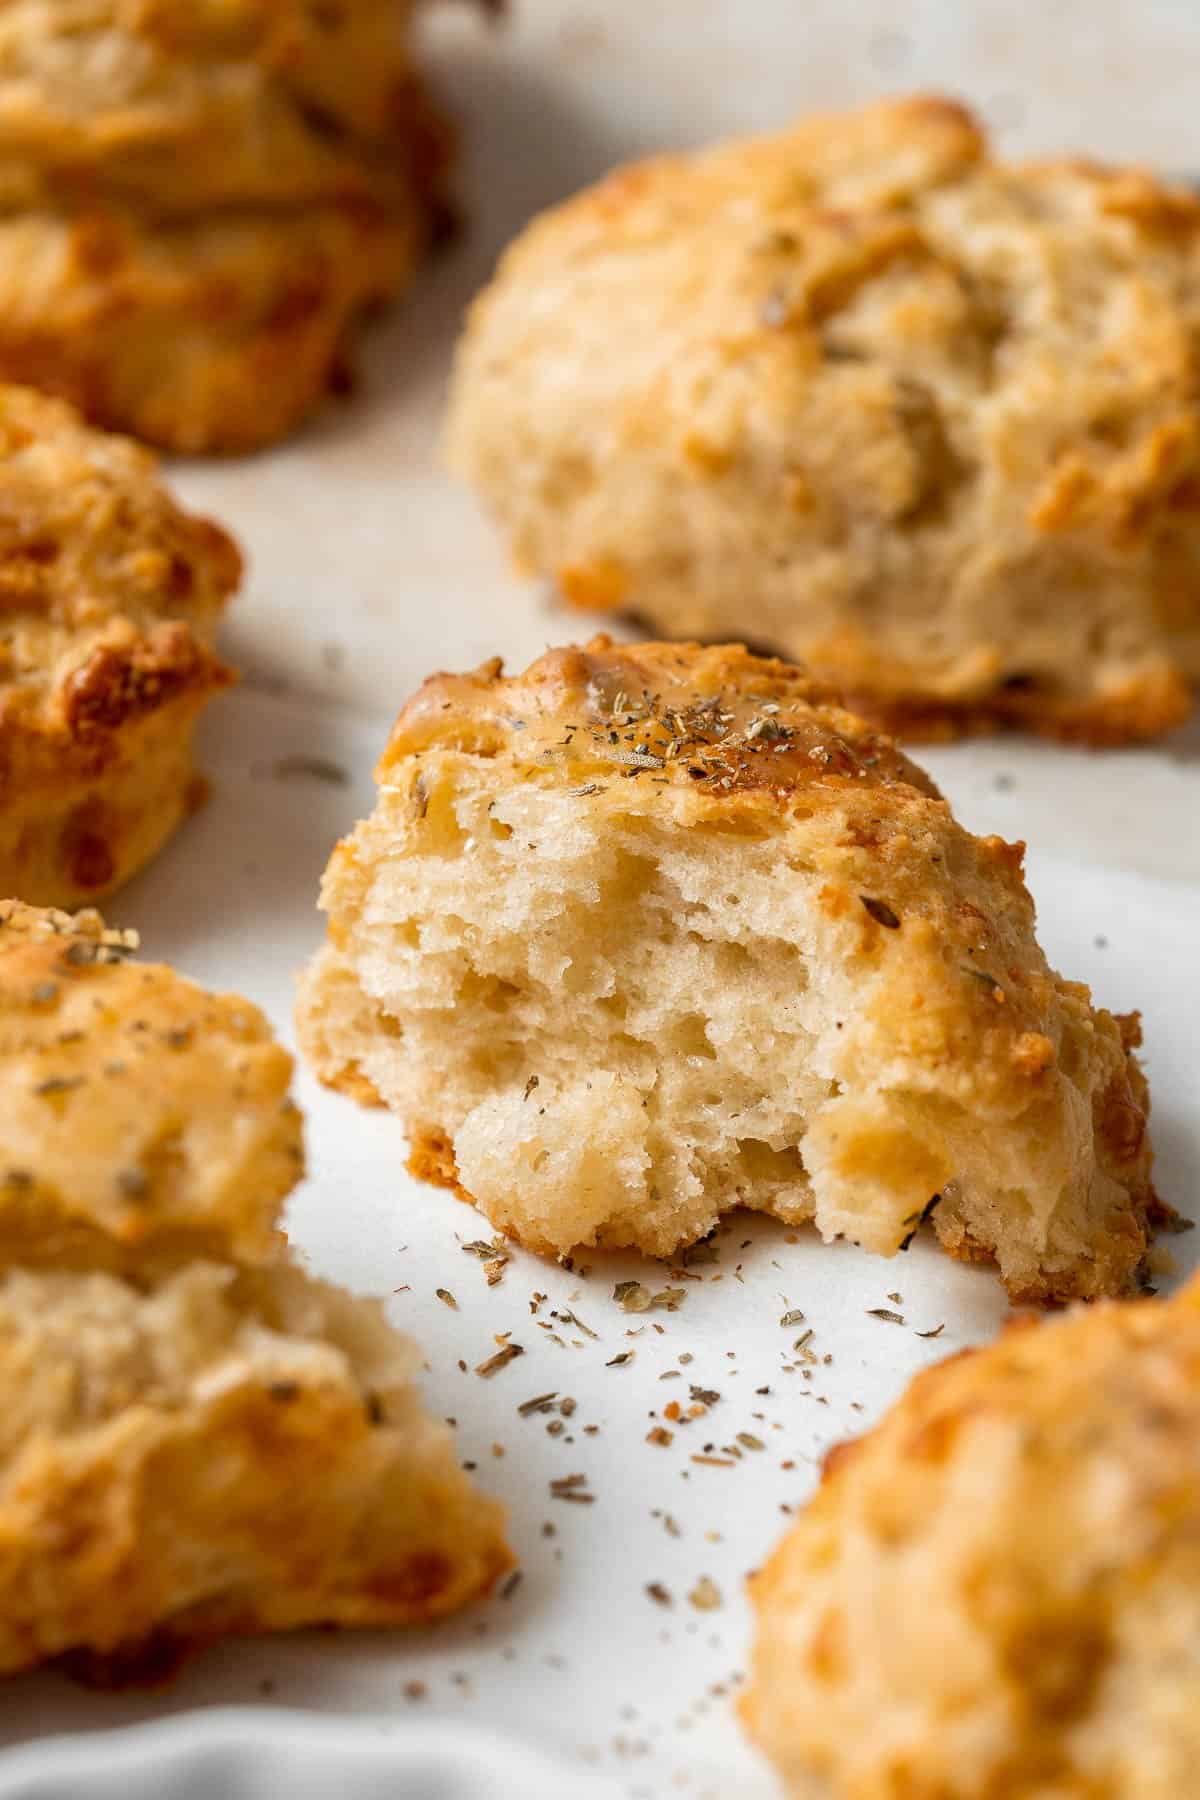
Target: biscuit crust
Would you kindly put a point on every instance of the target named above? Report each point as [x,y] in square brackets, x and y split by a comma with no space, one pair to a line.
[230,1452]
[647,933]
[862,394]
[145,1121]
[197,203]
[109,600]
[197,1438]
[995,1595]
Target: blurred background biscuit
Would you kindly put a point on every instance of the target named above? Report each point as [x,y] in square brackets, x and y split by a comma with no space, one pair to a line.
[110,595]
[197,202]
[861,394]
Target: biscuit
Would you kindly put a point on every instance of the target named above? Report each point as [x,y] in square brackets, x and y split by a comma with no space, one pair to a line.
[645,934]
[861,394]
[225,1452]
[145,1122]
[997,1591]
[197,202]
[197,1437]
[109,599]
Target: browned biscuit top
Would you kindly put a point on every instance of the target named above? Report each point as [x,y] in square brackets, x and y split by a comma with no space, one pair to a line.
[179,102]
[109,591]
[716,718]
[139,1115]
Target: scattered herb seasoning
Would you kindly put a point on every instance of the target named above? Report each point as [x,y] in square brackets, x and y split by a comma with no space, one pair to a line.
[112,947]
[886,1314]
[539,1404]
[495,1257]
[632,1297]
[985,980]
[881,912]
[705,1250]
[706,1595]
[492,1364]
[572,1488]
[484,1250]
[58,1084]
[447,1298]
[914,1221]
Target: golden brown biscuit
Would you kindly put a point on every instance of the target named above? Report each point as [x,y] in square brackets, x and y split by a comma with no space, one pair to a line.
[226,1451]
[995,1595]
[184,105]
[109,599]
[188,1446]
[143,1121]
[648,933]
[196,202]
[861,394]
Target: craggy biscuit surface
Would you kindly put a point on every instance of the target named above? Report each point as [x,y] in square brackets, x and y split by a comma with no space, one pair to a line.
[109,599]
[648,933]
[229,1451]
[195,1437]
[197,201]
[864,395]
[995,1595]
[144,1121]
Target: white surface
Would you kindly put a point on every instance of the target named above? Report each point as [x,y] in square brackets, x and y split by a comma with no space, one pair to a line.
[256,1753]
[368,571]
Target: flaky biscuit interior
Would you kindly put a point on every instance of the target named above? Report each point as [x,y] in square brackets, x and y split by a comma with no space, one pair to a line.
[649,933]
